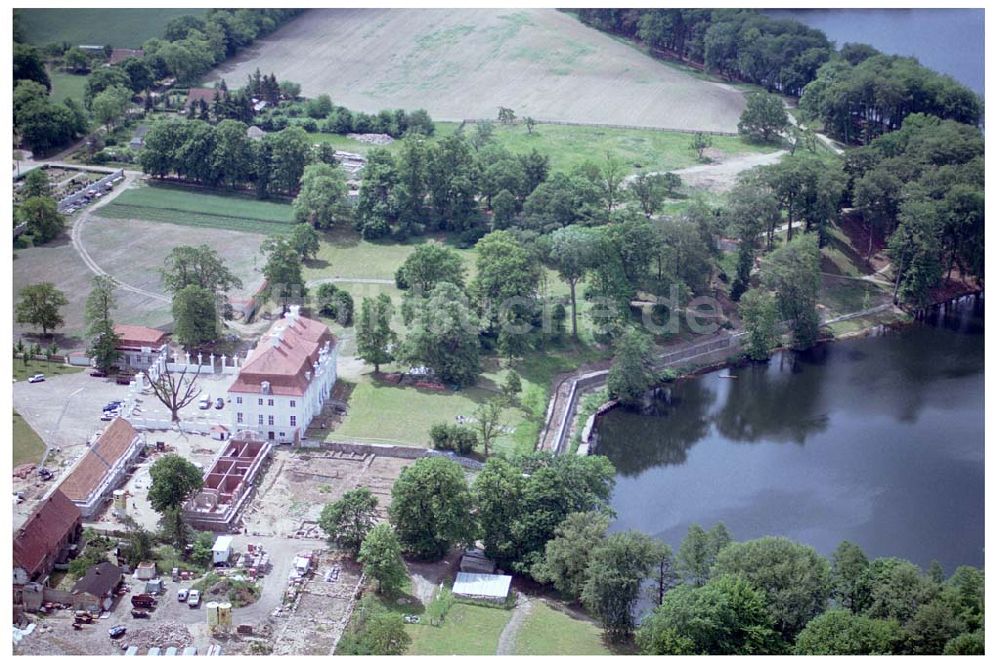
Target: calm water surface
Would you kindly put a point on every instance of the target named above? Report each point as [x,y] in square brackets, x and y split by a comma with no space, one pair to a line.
[878,440]
[950,41]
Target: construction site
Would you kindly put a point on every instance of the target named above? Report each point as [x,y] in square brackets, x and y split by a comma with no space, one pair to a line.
[298,484]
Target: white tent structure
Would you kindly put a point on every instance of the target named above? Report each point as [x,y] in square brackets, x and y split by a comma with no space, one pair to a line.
[490,587]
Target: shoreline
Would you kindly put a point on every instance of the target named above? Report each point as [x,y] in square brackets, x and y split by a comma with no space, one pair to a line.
[586,438]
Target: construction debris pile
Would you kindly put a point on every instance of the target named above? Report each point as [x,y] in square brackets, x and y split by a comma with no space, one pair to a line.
[161,634]
[377,139]
[352,163]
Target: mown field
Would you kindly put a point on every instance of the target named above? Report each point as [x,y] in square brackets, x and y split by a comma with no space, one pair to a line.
[547,631]
[466,630]
[569,146]
[178,205]
[67,86]
[27,446]
[461,64]
[120,27]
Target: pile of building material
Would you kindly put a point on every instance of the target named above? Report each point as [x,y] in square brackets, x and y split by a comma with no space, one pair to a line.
[377,139]
[161,634]
[309,530]
[352,163]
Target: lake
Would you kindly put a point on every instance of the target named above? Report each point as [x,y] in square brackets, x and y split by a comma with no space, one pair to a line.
[877,440]
[950,41]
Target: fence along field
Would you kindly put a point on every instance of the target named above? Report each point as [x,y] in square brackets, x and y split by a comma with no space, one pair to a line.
[461,64]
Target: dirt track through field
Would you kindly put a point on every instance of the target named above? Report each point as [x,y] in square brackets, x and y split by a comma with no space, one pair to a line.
[461,64]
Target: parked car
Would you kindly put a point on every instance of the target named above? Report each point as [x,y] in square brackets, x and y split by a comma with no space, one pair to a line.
[138,613]
[182,594]
[34,379]
[194,598]
[98,373]
[117,631]
[205,402]
[219,403]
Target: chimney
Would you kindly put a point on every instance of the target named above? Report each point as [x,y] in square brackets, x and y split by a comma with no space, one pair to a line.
[277,335]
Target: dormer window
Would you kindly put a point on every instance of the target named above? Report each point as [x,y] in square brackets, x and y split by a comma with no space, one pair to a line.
[265,388]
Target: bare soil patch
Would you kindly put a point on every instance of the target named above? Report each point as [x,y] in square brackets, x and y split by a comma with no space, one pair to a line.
[461,64]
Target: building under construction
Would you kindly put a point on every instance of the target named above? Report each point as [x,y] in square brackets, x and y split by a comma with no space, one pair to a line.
[229,484]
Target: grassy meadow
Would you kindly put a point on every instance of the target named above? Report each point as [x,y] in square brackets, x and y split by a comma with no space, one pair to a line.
[67,86]
[118,26]
[548,631]
[186,206]
[27,446]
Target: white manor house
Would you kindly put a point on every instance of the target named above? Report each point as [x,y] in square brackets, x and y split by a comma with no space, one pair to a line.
[285,380]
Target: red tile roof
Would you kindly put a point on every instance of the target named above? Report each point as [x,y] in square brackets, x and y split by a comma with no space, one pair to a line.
[139,336]
[95,464]
[44,532]
[195,94]
[283,356]
[119,55]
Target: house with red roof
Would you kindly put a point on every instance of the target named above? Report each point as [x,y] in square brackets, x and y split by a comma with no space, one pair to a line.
[46,538]
[102,467]
[138,346]
[285,379]
[119,56]
[198,95]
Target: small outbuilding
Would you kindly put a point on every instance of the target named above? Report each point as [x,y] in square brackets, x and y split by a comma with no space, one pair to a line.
[474,560]
[486,587]
[96,590]
[145,570]
[222,550]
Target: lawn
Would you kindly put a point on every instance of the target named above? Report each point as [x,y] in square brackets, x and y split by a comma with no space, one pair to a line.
[47,368]
[117,26]
[467,630]
[344,254]
[571,145]
[27,447]
[547,631]
[377,410]
[191,207]
[643,150]
[67,86]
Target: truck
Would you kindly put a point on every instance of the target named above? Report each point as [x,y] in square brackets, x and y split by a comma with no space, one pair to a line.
[143,601]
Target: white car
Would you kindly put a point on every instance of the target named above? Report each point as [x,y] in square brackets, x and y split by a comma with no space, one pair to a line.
[194,598]
[182,594]
[34,379]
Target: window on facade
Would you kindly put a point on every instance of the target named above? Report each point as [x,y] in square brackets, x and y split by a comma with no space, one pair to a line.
[270,402]
[291,403]
[239,400]
[270,419]
[239,417]
[260,401]
[291,420]
[260,419]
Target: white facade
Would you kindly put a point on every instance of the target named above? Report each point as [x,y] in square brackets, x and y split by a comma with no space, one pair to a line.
[279,416]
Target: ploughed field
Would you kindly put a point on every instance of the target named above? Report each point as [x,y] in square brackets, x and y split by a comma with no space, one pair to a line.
[463,64]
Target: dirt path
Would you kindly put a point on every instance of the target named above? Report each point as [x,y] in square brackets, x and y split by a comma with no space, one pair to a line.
[508,637]
[721,177]
[77,231]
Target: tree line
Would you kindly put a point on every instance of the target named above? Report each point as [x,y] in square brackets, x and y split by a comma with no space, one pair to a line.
[546,518]
[857,91]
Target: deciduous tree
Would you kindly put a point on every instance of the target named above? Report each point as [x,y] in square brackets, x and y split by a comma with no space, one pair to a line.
[430,507]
